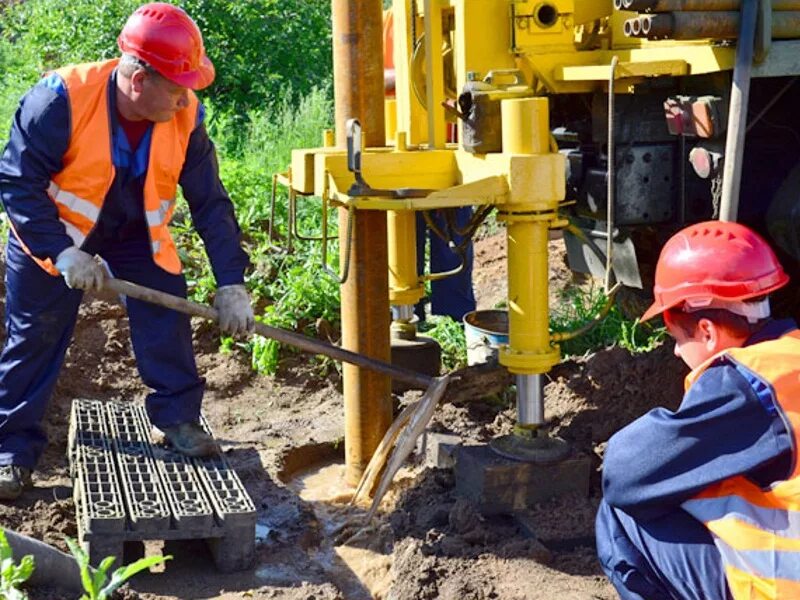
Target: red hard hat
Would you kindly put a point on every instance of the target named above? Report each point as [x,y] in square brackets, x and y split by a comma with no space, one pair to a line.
[714,260]
[167,39]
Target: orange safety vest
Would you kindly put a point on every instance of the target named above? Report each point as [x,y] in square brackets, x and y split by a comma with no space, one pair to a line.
[79,189]
[757,530]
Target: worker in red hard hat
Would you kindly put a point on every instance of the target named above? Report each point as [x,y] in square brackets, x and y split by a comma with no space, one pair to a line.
[89,182]
[703,502]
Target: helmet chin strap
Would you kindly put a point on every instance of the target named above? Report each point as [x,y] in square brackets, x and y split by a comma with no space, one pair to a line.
[753,310]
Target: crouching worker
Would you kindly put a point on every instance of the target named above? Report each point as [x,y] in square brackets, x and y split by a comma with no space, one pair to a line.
[91,169]
[704,502]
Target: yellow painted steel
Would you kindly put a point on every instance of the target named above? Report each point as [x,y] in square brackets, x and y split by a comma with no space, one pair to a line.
[410,113]
[528,216]
[405,286]
[434,74]
[523,121]
[390,116]
[528,49]
[529,350]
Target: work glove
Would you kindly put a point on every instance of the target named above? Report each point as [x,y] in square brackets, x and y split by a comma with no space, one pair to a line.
[80,269]
[235,312]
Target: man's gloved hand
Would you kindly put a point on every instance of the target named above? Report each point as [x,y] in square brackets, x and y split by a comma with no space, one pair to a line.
[235,312]
[80,270]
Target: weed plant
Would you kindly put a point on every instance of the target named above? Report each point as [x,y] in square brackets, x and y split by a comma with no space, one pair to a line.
[96,582]
[13,574]
[577,307]
[450,335]
[289,290]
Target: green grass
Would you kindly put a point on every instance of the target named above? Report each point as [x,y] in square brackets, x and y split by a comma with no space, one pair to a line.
[579,307]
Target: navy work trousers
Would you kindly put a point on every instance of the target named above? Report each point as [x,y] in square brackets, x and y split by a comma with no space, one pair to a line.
[40,318]
[452,296]
[669,558]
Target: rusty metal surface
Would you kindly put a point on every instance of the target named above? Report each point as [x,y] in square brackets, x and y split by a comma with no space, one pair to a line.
[706,24]
[358,90]
[660,6]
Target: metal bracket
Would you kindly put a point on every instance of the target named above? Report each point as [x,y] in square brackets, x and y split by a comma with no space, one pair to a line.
[361,187]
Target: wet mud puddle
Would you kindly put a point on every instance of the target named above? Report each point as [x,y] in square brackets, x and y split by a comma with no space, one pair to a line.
[359,565]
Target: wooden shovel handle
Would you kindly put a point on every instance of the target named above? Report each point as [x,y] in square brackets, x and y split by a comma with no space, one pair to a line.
[305,343]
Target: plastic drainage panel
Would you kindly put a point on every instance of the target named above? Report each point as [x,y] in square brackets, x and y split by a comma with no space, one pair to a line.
[144,499]
[96,487]
[232,504]
[127,488]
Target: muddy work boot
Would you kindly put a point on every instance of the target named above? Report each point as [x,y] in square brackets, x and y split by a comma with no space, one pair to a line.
[13,480]
[191,439]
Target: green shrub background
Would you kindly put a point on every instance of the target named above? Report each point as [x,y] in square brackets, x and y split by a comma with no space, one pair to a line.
[272,93]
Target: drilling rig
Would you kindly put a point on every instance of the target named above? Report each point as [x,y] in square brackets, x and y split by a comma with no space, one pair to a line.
[614,121]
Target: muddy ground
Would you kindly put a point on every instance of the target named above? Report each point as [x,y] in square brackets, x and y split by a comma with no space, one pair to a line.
[427,543]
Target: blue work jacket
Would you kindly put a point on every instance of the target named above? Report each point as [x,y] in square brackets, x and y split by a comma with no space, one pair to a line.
[724,427]
[39,138]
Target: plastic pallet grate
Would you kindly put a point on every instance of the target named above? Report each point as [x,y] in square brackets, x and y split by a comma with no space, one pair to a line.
[187,499]
[232,503]
[129,488]
[97,492]
[144,497]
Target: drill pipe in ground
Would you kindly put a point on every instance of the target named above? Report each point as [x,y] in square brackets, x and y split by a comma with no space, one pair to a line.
[663,6]
[701,25]
[358,94]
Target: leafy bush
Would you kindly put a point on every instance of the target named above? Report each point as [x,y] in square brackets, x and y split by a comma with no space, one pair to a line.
[263,50]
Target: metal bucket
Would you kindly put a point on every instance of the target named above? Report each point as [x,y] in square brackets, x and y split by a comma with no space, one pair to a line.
[485,331]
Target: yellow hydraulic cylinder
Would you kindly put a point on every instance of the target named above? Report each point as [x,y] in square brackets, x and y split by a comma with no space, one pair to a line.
[526,126]
[358,87]
[405,286]
[526,131]
[528,312]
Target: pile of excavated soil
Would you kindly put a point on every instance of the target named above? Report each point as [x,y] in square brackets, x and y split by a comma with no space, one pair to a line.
[427,542]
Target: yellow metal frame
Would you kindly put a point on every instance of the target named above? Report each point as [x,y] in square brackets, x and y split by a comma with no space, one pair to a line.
[558,46]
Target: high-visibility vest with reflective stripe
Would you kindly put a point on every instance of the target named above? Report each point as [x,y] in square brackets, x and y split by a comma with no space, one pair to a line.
[80,188]
[756,530]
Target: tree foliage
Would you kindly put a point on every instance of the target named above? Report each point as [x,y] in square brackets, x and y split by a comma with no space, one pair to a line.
[260,48]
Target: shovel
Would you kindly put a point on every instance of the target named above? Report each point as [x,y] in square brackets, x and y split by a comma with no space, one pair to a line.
[401,435]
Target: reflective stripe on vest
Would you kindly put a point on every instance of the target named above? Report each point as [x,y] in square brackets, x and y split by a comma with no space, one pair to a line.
[757,531]
[80,188]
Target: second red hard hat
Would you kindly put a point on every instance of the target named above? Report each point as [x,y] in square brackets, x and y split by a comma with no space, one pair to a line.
[166,38]
[714,260]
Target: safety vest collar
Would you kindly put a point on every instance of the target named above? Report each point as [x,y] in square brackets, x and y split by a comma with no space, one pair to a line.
[80,188]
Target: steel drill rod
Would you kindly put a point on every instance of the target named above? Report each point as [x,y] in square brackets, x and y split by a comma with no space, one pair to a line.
[663,6]
[700,25]
[305,343]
